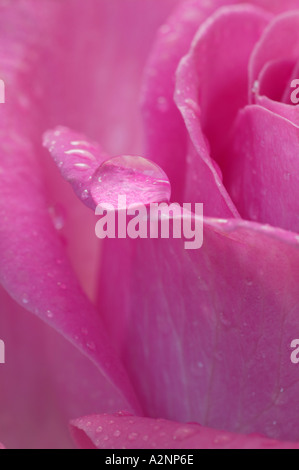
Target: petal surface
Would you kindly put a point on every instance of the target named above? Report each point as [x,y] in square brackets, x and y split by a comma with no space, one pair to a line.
[263,168]
[35,269]
[44,382]
[205,334]
[212,80]
[130,432]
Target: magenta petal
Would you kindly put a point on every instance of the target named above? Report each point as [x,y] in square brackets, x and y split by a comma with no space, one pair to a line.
[280,41]
[45,382]
[274,78]
[77,159]
[263,170]
[131,432]
[273,91]
[205,334]
[212,80]
[34,268]
[166,137]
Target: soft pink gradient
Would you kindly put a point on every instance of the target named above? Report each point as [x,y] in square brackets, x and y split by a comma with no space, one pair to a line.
[149,327]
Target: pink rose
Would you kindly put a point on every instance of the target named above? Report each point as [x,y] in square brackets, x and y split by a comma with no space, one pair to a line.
[141,337]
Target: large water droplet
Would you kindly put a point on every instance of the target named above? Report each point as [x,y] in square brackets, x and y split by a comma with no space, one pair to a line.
[138,179]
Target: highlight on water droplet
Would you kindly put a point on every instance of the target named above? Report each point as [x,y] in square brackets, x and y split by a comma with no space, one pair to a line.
[140,180]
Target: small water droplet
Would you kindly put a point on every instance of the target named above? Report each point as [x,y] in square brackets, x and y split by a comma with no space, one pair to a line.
[91,345]
[224,319]
[222,439]
[25,299]
[255,87]
[133,436]
[99,429]
[50,314]
[132,177]
[61,285]
[162,104]
[145,438]
[81,166]
[58,216]
[82,153]
[281,390]
[117,433]
[85,194]
[182,433]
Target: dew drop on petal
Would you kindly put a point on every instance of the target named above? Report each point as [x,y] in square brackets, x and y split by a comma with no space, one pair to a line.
[58,217]
[25,299]
[183,432]
[85,194]
[62,286]
[50,314]
[162,104]
[138,179]
[117,433]
[91,345]
[133,436]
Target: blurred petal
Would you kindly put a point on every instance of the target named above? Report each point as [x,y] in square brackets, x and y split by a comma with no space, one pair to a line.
[262,174]
[130,432]
[34,267]
[210,329]
[44,383]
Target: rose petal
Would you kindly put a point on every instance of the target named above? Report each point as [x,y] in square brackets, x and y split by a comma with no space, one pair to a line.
[84,76]
[77,158]
[212,80]
[280,41]
[262,175]
[274,78]
[273,90]
[167,141]
[34,267]
[45,382]
[130,432]
[210,329]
